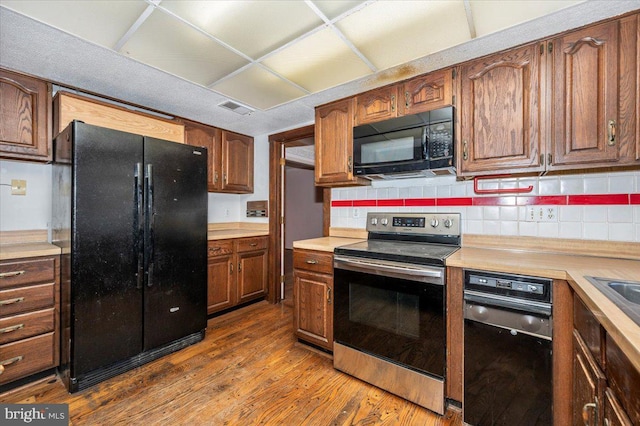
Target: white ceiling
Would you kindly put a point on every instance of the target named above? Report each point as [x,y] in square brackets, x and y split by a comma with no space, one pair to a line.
[278,58]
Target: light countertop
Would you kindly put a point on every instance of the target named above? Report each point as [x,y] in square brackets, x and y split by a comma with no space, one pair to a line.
[325,243]
[16,251]
[223,234]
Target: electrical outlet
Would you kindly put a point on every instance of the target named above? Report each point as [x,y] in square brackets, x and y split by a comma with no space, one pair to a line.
[18,187]
[356,213]
[542,214]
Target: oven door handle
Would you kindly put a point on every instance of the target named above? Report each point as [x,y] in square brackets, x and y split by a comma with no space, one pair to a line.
[424,274]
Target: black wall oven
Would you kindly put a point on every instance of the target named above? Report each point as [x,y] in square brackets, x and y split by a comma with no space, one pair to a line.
[389,308]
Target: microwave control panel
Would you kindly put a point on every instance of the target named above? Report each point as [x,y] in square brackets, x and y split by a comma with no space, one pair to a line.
[440,138]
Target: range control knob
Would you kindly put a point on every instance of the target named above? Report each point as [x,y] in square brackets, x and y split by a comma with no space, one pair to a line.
[384,221]
[374,221]
[448,223]
[434,222]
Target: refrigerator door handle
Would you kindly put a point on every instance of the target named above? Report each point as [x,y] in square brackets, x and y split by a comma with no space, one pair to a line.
[139,224]
[149,221]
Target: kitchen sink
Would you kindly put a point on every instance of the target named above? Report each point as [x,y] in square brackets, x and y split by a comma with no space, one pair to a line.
[624,294]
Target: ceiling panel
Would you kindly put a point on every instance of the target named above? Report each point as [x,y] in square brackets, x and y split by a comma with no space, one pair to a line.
[170,45]
[319,61]
[332,8]
[409,29]
[253,27]
[101,22]
[259,88]
[492,15]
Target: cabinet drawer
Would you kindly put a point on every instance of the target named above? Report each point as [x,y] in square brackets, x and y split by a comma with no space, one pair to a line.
[27,356]
[313,261]
[18,327]
[251,244]
[24,299]
[15,273]
[219,248]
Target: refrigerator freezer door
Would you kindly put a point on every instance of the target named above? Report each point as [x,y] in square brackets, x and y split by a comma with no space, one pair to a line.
[175,241]
[106,311]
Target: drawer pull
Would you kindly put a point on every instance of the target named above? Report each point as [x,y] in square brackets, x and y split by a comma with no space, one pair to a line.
[214,248]
[585,411]
[11,301]
[11,328]
[312,262]
[11,274]
[253,244]
[11,361]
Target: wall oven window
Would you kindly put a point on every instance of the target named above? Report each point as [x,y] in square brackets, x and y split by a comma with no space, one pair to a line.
[400,320]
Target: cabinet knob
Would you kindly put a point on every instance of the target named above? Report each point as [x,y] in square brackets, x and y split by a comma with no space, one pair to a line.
[612,133]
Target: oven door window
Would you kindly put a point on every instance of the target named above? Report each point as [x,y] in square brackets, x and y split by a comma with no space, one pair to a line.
[399,320]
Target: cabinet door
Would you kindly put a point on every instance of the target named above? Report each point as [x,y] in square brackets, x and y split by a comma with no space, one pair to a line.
[237,163]
[313,307]
[500,126]
[614,414]
[377,105]
[334,143]
[584,96]
[208,137]
[221,289]
[426,93]
[588,385]
[252,275]
[25,119]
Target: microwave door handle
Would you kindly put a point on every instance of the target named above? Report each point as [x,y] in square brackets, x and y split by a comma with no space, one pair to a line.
[425,145]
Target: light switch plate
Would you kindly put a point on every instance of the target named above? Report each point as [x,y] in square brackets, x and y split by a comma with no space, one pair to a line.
[18,187]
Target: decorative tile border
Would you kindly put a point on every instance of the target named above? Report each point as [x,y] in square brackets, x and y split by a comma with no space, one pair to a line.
[559,200]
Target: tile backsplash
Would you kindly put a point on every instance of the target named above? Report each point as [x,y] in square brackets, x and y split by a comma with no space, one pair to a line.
[595,206]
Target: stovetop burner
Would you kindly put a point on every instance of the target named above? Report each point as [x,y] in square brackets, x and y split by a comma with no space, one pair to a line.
[422,238]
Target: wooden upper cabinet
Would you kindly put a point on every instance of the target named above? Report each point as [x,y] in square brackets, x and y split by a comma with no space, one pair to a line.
[426,93]
[237,162]
[210,138]
[230,157]
[423,93]
[334,144]
[25,118]
[584,96]
[377,105]
[500,115]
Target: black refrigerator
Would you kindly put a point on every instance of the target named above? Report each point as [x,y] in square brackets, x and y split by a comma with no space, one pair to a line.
[130,214]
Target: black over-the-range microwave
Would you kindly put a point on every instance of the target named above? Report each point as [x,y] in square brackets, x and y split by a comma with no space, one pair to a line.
[410,146]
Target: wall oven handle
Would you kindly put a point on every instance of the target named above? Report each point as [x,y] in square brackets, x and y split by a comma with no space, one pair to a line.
[409,272]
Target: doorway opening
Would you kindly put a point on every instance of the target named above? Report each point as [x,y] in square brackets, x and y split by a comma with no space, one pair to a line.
[298,209]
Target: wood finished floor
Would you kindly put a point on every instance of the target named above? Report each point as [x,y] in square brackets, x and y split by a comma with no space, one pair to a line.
[249,370]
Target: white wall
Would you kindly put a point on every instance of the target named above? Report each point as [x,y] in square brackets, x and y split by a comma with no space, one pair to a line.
[30,211]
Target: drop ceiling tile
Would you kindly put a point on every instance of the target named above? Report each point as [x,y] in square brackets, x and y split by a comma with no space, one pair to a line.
[332,8]
[166,43]
[318,62]
[258,88]
[253,27]
[405,30]
[492,15]
[101,22]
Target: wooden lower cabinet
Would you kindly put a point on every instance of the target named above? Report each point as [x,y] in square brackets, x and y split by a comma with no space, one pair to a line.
[606,386]
[29,316]
[313,297]
[237,272]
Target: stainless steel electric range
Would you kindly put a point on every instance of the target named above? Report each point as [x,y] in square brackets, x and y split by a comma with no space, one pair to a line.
[389,304]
